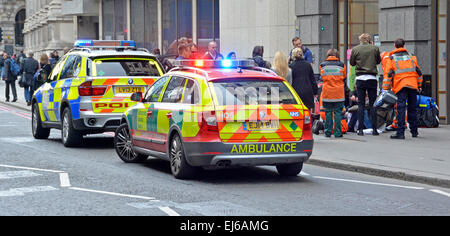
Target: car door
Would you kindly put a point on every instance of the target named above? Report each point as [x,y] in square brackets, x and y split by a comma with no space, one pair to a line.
[140,117]
[62,87]
[48,106]
[168,111]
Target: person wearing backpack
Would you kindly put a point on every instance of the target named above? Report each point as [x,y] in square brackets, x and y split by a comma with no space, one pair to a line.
[42,74]
[9,76]
[29,67]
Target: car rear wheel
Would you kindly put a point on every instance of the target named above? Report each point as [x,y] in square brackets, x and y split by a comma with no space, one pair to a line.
[290,170]
[178,164]
[70,136]
[124,146]
[36,124]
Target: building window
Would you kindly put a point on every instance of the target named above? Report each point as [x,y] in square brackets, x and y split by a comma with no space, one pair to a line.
[144,23]
[20,21]
[208,23]
[177,24]
[114,19]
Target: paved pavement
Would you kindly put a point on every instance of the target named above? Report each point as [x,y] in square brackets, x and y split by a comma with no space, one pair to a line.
[21,103]
[423,160]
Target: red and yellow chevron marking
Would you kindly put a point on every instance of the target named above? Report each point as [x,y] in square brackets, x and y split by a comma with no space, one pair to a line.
[232,124]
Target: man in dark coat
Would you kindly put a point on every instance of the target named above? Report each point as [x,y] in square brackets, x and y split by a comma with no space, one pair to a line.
[303,79]
[9,77]
[28,68]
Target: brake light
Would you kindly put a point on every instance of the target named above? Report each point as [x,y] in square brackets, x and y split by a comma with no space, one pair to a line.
[209,121]
[307,127]
[86,89]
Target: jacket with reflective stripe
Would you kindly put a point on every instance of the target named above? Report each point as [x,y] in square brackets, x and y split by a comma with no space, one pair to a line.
[403,71]
[333,73]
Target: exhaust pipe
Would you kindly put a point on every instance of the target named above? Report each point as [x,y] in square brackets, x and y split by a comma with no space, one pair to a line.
[223,163]
[92,121]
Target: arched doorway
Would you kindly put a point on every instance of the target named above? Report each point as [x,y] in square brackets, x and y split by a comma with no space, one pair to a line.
[20,21]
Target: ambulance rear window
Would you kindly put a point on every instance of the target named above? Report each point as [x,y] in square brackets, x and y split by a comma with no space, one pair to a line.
[126,67]
[253,92]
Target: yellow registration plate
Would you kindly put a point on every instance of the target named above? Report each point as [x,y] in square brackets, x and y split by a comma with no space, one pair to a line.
[262,125]
[130,89]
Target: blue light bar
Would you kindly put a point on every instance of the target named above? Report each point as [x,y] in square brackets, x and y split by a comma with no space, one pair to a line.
[105,43]
[84,43]
[225,64]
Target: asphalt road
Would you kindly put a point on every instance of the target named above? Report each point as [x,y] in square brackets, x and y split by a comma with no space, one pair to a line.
[42,177]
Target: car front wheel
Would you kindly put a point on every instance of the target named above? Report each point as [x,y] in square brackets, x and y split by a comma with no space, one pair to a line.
[124,146]
[36,124]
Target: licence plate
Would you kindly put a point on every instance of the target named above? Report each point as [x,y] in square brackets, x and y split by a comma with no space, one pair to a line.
[262,125]
[130,89]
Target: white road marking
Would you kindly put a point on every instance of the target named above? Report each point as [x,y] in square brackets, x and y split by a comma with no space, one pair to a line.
[169,211]
[17,174]
[111,193]
[372,183]
[30,168]
[64,179]
[440,192]
[304,174]
[14,192]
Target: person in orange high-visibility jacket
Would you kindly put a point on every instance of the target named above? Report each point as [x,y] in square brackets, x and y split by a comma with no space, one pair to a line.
[333,74]
[384,63]
[405,80]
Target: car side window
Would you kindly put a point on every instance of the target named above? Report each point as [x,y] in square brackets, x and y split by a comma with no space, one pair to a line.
[70,66]
[155,90]
[57,69]
[174,91]
[191,93]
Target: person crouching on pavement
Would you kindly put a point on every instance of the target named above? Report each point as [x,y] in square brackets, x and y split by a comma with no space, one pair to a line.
[333,74]
[405,80]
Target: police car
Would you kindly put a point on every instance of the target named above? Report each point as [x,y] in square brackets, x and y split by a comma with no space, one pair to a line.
[89,89]
[217,114]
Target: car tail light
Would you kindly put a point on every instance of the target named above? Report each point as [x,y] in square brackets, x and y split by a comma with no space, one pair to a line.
[86,89]
[209,121]
[307,127]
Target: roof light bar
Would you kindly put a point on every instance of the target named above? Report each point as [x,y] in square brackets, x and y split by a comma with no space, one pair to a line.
[215,63]
[105,43]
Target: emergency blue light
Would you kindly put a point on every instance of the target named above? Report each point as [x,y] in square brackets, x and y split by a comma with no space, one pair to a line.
[105,43]
[227,63]
[84,43]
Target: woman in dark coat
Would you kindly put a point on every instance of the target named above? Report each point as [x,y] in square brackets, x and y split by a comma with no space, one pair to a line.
[303,79]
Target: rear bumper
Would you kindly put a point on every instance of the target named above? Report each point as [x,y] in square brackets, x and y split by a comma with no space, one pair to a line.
[248,154]
[97,123]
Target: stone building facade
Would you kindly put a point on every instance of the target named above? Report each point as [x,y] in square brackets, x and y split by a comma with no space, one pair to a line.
[12,14]
[55,24]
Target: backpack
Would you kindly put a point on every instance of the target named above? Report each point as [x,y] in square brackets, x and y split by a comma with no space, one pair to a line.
[14,68]
[427,112]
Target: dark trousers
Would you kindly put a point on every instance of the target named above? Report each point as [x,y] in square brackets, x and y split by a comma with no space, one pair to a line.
[13,88]
[407,96]
[364,88]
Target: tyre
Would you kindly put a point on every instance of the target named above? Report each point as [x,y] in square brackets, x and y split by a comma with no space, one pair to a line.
[178,164]
[70,136]
[36,124]
[124,146]
[290,170]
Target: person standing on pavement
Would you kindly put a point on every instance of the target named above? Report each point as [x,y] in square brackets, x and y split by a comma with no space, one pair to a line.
[28,68]
[9,77]
[333,74]
[307,54]
[258,57]
[281,66]
[303,80]
[45,69]
[365,57]
[405,80]
[213,52]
